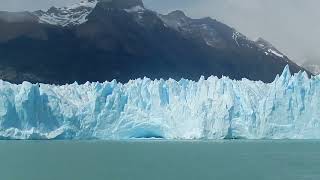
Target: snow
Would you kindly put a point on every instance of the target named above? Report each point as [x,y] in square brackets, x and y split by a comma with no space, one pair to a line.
[269,49]
[235,36]
[135,9]
[72,15]
[210,108]
[276,53]
[75,14]
[84,3]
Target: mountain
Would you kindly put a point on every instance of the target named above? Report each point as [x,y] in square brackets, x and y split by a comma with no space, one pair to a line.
[312,66]
[219,35]
[67,16]
[98,40]
[212,108]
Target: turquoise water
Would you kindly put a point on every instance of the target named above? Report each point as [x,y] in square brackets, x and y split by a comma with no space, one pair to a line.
[160,160]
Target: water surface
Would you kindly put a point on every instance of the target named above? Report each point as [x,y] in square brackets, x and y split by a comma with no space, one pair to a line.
[160,160]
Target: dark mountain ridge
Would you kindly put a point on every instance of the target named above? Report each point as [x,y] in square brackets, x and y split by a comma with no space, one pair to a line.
[123,40]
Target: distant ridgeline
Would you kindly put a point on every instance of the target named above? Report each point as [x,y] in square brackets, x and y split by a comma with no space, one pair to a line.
[212,108]
[105,40]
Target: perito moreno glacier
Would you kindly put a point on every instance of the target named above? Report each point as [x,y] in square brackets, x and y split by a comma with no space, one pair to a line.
[211,108]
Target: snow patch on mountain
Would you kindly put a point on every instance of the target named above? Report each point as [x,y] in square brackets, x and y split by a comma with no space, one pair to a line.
[269,49]
[275,53]
[235,37]
[65,16]
[77,13]
[211,108]
[135,9]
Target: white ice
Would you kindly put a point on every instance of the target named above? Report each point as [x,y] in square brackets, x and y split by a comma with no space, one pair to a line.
[208,109]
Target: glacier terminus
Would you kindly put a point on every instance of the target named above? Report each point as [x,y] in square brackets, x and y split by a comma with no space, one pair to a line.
[212,108]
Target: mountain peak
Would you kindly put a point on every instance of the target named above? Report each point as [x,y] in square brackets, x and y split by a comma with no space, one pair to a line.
[264,43]
[66,16]
[177,14]
[269,48]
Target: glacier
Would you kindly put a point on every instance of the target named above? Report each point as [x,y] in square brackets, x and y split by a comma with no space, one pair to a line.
[212,108]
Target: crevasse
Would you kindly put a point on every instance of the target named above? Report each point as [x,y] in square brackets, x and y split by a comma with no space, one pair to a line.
[208,109]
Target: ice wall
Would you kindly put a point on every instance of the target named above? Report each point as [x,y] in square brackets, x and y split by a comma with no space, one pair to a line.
[207,109]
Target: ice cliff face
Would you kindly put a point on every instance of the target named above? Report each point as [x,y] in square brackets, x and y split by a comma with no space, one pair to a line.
[207,109]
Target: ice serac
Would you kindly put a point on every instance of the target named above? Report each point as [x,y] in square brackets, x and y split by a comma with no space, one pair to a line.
[208,109]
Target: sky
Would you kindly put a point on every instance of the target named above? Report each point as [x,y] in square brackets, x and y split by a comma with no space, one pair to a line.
[291,25]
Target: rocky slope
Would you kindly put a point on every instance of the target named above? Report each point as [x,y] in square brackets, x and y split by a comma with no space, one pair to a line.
[107,39]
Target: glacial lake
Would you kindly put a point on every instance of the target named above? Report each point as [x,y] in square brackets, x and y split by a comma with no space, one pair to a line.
[160,160]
